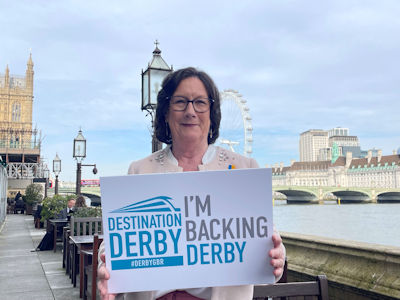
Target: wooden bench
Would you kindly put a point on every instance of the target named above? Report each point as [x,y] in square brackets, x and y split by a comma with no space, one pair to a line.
[317,289]
[90,270]
[80,226]
[86,225]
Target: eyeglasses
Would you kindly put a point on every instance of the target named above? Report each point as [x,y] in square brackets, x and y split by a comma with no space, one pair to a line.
[200,105]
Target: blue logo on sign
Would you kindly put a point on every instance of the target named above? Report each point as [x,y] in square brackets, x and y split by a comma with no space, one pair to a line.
[156,204]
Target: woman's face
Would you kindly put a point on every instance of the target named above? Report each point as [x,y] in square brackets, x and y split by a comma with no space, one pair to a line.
[189,126]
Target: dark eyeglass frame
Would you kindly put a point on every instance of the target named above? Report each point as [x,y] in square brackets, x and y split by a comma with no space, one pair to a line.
[211,101]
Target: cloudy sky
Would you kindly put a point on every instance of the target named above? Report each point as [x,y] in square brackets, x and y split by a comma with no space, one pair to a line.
[299,65]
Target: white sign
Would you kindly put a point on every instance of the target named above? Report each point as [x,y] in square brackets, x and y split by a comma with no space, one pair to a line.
[187,230]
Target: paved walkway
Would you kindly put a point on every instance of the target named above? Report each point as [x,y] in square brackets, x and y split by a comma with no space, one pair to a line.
[25,273]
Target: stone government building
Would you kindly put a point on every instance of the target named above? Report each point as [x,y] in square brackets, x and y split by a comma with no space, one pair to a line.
[19,142]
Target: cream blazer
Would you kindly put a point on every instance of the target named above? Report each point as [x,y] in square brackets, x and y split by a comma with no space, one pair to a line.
[217,159]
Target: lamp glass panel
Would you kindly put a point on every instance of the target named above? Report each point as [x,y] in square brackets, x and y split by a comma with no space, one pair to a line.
[57,166]
[156,78]
[145,88]
[79,148]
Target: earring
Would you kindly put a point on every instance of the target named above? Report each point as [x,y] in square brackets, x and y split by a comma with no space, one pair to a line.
[210,133]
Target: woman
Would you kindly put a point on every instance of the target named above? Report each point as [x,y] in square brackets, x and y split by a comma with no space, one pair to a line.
[80,202]
[187,119]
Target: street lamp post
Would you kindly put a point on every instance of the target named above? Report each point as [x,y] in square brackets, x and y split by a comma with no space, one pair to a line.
[152,79]
[46,176]
[79,153]
[56,171]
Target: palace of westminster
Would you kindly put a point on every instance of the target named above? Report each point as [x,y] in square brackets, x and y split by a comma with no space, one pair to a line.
[19,142]
[327,158]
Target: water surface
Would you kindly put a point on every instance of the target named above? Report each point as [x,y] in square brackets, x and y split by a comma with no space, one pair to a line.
[370,223]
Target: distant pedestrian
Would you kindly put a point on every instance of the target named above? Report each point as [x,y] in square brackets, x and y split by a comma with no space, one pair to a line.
[17,196]
[80,202]
[47,241]
[19,204]
[66,211]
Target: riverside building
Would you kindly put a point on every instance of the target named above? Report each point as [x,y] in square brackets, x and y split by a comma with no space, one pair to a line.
[19,142]
[381,171]
[320,145]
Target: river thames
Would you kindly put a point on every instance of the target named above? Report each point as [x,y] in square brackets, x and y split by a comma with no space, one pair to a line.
[370,223]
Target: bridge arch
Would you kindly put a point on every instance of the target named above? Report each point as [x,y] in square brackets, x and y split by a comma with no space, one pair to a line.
[347,196]
[94,198]
[298,196]
[388,197]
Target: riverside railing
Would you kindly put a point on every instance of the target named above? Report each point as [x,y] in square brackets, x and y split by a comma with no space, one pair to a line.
[354,270]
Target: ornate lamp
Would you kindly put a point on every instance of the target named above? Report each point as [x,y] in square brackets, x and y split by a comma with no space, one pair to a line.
[79,151]
[46,174]
[56,171]
[152,79]
[79,154]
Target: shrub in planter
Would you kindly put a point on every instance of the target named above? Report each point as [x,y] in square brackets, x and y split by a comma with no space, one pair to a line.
[81,212]
[33,194]
[51,207]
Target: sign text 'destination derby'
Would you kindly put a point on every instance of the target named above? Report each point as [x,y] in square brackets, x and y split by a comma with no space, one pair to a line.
[155,233]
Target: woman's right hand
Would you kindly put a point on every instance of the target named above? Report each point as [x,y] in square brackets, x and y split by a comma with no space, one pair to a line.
[102,283]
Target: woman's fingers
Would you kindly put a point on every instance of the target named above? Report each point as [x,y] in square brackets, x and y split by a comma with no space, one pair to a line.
[102,283]
[277,255]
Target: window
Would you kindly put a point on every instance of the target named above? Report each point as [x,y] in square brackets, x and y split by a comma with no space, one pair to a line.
[16,112]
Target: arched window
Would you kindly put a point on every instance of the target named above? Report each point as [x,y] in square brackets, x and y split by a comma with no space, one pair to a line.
[16,112]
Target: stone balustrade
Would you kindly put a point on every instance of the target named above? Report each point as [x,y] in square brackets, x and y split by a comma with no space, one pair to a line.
[355,270]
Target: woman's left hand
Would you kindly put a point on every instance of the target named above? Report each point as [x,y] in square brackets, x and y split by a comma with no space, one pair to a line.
[277,255]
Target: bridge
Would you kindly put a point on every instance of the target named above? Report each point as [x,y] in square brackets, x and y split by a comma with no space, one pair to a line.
[93,193]
[316,194]
[297,194]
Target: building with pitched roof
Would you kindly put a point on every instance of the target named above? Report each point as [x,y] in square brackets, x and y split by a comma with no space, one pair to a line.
[382,171]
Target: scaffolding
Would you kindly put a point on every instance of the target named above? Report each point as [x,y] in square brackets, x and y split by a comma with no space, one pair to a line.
[20,152]
[12,138]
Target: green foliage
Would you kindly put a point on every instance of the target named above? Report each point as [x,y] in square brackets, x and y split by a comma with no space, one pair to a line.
[82,212]
[52,206]
[33,193]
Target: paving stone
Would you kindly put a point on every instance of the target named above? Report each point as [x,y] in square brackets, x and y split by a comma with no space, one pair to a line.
[66,294]
[24,283]
[28,274]
[58,280]
[33,295]
[19,266]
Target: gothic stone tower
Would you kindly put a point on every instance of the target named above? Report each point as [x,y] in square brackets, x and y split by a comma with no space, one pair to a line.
[19,146]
